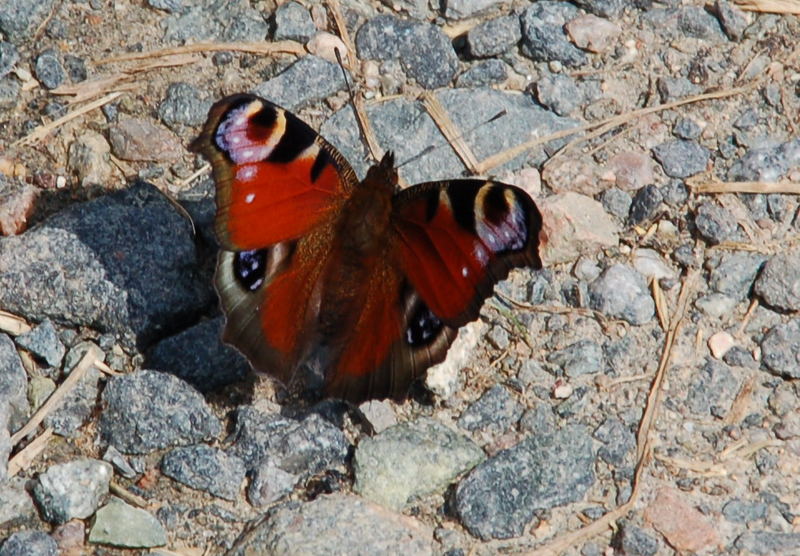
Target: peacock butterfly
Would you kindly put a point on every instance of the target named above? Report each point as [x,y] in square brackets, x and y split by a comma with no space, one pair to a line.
[344,287]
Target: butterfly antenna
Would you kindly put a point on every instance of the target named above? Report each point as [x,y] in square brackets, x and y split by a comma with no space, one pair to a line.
[430,148]
[344,74]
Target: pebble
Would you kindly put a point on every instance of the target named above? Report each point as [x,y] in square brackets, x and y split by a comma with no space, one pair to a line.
[744,511]
[495,411]
[733,20]
[293,22]
[461,9]
[714,385]
[498,498]
[72,490]
[9,56]
[684,527]
[494,37]
[120,462]
[147,411]
[686,128]
[13,383]
[120,524]
[269,484]
[379,414]
[17,507]
[618,441]
[616,202]
[650,264]
[582,357]
[338,524]
[720,343]
[674,88]
[20,18]
[575,225]
[324,45]
[171,6]
[539,420]
[183,105]
[76,68]
[714,223]
[303,447]
[632,170]
[681,158]
[29,543]
[543,36]
[695,21]
[488,72]
[205,468]
[765,163]
[70,537]
[141,141]
[778,284]
[198,356]
[559,93]
[767,542]
[780,349]
[17,202]
[386,37]
[592,33]
[49,70]
[444,379]
[621,292]
[88,159]
[76,407]
[645,204]
[9,93]
[308,80]
[634,541]
[735,274]
[116,263]
[42,341]
[603,8]
[411,460]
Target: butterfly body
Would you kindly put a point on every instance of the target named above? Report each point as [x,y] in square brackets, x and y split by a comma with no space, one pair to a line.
[350,288]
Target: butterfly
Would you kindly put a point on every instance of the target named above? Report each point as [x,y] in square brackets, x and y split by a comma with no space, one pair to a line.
[344,287]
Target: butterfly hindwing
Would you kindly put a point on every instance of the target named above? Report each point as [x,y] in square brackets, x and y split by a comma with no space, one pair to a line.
[276,177]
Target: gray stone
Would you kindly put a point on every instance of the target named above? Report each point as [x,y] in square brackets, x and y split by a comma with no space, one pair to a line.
[72,490]
[29,543]
[120,462]
[19,18]
[735,274]
[695,21]
[618,441]
[77,406]
[543,36]
[125,263]
[17,507]
[487,72]
[634,541]
[460,9]
[147,411]
[42,341]
[713,385]
[337,524]
[499,497]
[681,159]
[308,80]
[76,68]
[13,384]
[780,349]
[9,93]
[269,484]
[411,460]
[621,292]
[49,70]
[559,93]
[737,356]
[222,21]
[645,204]
[673,88]
[9,56]
[120,524]
[293,22]
[686,128]
[303,447]
[616,202]
[603,8]
[778,285]
[205,468]
[582,357]
[386,37]
[183,105]
[171,6]
[5,440]
[495,411]
[732,19]
[767,542]
[744,511]
[198,356]
[494,37]
[539,420]
[766,163]
[714,223]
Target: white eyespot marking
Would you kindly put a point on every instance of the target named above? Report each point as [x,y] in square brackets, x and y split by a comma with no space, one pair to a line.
[236,139]
[241,120]
[246,172]
[464,272]
[249,198]
[247,154]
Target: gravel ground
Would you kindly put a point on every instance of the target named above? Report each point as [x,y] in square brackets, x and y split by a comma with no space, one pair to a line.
[552,424]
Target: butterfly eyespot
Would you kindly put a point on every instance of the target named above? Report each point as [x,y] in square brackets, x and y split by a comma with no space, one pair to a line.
[249,268]
[423,326]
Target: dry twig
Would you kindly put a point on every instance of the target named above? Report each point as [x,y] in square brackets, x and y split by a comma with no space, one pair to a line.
[770,6]
[450,132]
[255,47]
[12,324]
[25,457]
[698,187]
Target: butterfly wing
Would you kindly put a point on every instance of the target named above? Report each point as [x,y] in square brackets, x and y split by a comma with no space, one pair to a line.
[451,243]
[279,186]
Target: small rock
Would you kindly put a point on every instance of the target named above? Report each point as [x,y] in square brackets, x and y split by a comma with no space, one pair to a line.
[17,506]
[76,68]
[76,407]
[443,379]
[17,201]
[183,105]
[575,225]
[500,496]
[461,9]
[411,460]
[539,420]
[119,524]
[120,462]
[632,170]
[42,341]
[494,37]
[592,33]
[9,93]
[767,542]
[650,264]
[743,511]
[70,537]
[140,141]
[270,483]
[13,384]
[543,36]
[603,8]
[720,343]
[72,490]
[340,524]
[621,292]
[496,411]
[684,527]
[293,22]
[29,543]
[20,18]
[733,20]
[779,282]
[674,88]
[324,45]
[735,274]
[780,349]
[616,202]
[148,410]
[306,81]
[714,385]
[686,128]
[559,93]
[634,541]
[379,414]
[171,6]
[205,468]
[88,159]
[9,56]
[49,70]
[740,357]
[681,158]
[695,21]
[765,163]
[582,357]
[714,223]
[618,441]
[645,204]
[488,72]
